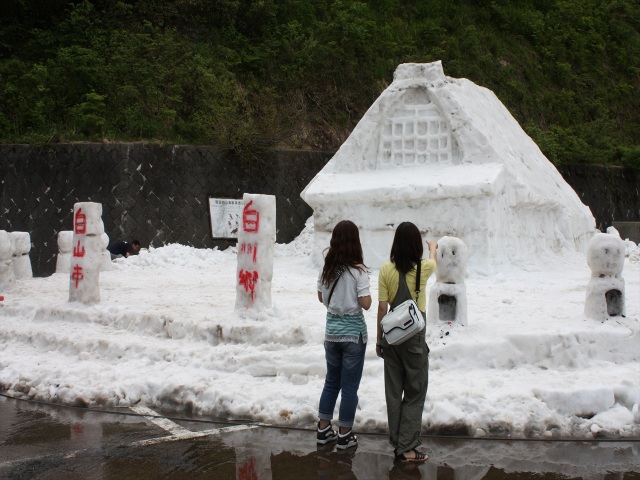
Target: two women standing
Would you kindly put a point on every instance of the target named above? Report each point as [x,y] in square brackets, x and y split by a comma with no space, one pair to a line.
[343,287]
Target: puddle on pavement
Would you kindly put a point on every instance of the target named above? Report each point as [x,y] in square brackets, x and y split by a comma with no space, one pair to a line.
[47,442]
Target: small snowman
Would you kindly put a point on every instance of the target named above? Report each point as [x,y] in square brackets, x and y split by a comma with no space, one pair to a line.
[65,242]
[106,255]
[21,261]
[448,297]
[605,290]
[7,276]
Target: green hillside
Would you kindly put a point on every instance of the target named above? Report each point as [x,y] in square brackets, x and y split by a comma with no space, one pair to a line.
[256,74]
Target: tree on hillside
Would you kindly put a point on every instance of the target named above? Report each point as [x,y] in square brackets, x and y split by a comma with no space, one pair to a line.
[252,75]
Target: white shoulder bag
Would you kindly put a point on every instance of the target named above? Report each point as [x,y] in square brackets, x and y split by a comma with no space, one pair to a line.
[405,319]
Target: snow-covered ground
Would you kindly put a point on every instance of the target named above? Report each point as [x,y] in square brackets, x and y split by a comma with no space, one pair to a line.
[165,335]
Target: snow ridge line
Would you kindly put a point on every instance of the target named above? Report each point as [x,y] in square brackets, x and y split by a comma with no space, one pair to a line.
[239,330]
[97,340]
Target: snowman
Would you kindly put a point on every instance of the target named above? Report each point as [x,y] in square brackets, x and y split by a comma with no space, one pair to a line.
[21,261]
[7,277]
[605,290]
[63,261]
[448,297]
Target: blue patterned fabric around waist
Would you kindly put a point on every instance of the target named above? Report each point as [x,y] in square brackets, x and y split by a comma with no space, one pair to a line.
[345,328]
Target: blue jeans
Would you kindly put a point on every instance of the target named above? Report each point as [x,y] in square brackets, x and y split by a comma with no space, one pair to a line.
[345,361]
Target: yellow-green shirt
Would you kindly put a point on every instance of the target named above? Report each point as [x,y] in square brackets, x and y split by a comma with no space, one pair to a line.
[388,280]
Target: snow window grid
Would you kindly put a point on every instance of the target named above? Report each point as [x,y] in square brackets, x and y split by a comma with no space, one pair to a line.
[418,136]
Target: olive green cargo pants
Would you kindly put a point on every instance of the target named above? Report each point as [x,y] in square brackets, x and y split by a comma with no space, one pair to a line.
[406,377]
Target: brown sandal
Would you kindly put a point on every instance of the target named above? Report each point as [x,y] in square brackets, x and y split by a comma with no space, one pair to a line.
[419,458]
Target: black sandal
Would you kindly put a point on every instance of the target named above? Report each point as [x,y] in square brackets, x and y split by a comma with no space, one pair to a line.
[420,457]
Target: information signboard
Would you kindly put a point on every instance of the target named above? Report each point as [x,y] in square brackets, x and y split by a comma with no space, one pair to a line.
[225,215]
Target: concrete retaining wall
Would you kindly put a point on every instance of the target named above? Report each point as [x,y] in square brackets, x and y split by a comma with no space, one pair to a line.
[159,194]
[156,194]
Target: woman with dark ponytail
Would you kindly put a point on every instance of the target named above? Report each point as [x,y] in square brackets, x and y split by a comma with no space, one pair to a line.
[343,287]
[406,366]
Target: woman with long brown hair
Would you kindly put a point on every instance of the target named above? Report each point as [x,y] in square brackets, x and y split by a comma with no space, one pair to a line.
[343,287]
[406,366]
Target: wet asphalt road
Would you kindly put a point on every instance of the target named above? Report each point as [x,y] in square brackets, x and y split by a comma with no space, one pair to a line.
[52,442]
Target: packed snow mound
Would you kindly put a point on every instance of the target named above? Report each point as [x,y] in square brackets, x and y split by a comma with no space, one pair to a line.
[445,154]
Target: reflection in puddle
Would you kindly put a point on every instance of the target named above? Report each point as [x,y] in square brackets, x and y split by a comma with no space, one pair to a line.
[44,442]
[448,459]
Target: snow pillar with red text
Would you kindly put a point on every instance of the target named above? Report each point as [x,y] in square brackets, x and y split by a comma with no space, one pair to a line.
[86,253]
[256,240]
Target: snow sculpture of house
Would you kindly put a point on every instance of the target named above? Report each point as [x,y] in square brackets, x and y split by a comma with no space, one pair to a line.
[445,154]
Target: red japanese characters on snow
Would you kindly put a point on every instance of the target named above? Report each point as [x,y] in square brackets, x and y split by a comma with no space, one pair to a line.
[80,223]
[77,274]
[78,251]
[80,228]
[248,280]
[250,249]
[250,218]
[250,224]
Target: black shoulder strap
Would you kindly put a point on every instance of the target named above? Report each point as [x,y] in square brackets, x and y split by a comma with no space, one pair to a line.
[403,292]
[334,286]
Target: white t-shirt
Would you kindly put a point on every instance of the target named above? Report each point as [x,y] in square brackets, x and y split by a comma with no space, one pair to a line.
[352,284]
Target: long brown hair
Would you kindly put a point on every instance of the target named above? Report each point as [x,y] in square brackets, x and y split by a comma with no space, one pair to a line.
[407,248]
[345,250]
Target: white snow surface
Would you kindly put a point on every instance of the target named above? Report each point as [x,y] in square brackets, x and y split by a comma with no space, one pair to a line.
[165,334]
